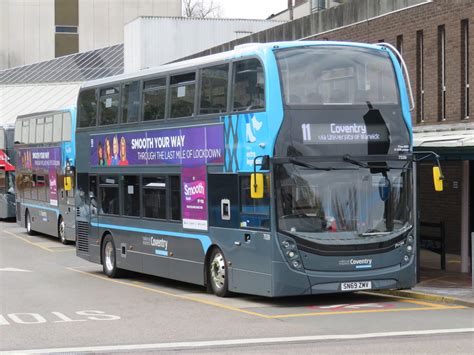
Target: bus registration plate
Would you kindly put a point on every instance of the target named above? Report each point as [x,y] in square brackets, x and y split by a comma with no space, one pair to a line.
[357,285]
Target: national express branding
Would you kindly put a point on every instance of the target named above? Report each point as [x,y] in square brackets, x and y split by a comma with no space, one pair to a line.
[160,244]
[357,263]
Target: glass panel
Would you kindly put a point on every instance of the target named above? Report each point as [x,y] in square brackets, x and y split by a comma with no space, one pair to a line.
[18,130]
[57,127]
[214,89]
[337,75]
[130,101]
[154,197]
[155,83]
[343,204]
[175,198]
[154,102]
[67,126]
[182,100]
[87,110]
[25,131]
[32,138]
[40,130]
[109,110]
[182,95]
[131,196]
[48,129]
[249,86]
[255,213]
[109,200]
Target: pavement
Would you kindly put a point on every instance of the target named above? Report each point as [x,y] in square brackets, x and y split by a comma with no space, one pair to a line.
[446,286]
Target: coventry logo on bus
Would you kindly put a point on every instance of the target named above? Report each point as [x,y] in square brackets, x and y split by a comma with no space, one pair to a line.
[358,263]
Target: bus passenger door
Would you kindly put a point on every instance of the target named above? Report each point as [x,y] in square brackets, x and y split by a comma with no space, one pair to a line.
[93,200]
[252,249]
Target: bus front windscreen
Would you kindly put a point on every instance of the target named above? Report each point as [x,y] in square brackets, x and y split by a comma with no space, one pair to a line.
[336,75]
[344,203]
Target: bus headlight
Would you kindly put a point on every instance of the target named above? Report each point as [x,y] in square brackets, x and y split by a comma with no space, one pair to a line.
[406,258]
[409,248]
[410,239]
[290,252]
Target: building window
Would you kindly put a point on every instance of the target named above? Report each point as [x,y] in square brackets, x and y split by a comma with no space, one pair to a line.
[465,68]
[66,29]
[400,44]
[420,81]
[441,73]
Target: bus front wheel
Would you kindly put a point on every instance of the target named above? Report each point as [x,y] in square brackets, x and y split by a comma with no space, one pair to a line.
[109,258]
[217,273]
[28,223]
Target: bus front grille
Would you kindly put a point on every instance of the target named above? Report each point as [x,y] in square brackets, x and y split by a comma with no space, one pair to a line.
[82,237]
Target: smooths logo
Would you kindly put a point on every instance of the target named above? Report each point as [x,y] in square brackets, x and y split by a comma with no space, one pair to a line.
[195,191]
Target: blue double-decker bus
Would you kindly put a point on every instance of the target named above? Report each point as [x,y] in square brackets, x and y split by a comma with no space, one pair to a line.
[45,157]
[273,169]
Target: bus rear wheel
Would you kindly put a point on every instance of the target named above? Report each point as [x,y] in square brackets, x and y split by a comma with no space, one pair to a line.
[28,223]
[109,258]
[217,273]
[62,231]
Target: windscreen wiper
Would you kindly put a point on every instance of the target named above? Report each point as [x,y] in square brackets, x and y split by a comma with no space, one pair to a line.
[313,167]
[362,164]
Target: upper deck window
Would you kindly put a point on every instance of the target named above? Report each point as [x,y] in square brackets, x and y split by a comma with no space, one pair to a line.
[109,106]
[248,86]
[182,90]
[130,101]
[154,99]
[87,108]
[214,89]
[336,75]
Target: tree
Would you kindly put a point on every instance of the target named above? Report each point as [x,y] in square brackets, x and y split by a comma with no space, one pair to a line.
[201,8]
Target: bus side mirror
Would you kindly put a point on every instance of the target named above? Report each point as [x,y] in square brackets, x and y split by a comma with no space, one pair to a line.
[256,185]
[67,183]
[437,179]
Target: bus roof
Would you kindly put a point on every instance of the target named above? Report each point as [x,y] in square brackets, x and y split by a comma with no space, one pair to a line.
[247,49]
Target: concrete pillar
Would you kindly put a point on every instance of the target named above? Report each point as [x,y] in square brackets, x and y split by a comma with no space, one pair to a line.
[465,218]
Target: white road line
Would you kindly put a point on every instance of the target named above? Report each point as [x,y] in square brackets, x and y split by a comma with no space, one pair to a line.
[13,269]
[234,342]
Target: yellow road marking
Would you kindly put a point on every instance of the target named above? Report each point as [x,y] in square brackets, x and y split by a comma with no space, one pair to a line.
[427,306]
[366,311]
[38,245]
[189,298]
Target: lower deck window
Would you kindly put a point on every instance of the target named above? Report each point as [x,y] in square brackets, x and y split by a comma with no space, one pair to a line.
[109,195]
[154,197]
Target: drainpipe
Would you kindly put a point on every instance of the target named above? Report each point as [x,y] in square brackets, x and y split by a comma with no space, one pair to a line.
[290,9]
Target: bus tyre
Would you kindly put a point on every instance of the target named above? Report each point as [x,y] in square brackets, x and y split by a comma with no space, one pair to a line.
[28,223]
[217,273]
[62,231]
[109,258]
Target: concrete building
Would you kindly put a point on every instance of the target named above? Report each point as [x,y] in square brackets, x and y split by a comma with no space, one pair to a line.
[153,41]
[435,38]
[301,8]
[37,30]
